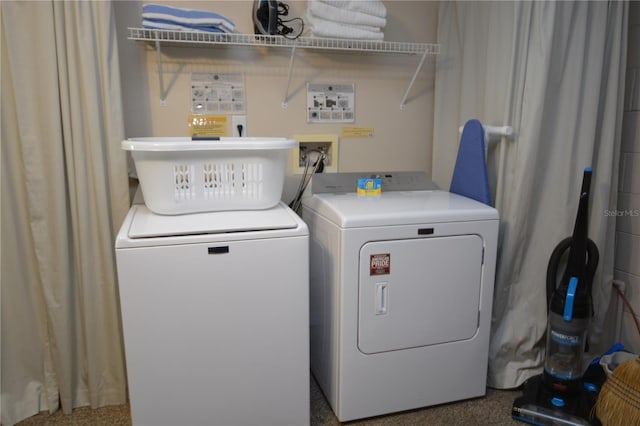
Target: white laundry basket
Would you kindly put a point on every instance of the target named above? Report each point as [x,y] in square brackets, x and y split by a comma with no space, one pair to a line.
[180,175]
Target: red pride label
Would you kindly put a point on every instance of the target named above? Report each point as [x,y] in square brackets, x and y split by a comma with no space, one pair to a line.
[380,264]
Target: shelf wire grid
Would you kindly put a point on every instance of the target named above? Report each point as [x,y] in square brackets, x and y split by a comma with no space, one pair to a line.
[204,38]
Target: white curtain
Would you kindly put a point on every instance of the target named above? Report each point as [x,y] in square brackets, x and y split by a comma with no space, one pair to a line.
[554,71]
[64,194]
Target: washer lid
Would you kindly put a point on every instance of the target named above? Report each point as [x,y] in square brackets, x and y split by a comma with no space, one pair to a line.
[398,208]
[146,224]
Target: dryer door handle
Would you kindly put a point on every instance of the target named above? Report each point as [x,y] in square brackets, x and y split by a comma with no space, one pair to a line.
[382,298]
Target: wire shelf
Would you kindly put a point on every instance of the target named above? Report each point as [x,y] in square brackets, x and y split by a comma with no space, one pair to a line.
[199,37]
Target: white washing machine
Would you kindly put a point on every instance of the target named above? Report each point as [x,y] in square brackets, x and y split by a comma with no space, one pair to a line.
[401,293]
[215,316]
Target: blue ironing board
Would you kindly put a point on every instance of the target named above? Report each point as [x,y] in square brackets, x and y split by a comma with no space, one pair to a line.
[470,172]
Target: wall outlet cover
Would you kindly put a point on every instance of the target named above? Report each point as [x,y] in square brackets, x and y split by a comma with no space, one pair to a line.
[239,125]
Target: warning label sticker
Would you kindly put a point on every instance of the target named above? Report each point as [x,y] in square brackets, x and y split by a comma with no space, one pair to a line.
[380,264]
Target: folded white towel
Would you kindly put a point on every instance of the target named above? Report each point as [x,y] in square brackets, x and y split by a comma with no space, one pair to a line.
[370,7]
[322,28]
[345,16]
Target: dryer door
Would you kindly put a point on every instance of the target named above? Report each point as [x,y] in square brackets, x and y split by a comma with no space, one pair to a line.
[418,292]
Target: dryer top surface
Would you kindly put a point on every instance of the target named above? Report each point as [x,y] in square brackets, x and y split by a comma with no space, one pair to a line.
[348,210]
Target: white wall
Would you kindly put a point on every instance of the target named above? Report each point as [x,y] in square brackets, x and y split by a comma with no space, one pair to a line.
[402,139]
[628,222]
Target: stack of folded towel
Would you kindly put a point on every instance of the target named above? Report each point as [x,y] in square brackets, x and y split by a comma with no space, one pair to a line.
[162,17]
[354,19]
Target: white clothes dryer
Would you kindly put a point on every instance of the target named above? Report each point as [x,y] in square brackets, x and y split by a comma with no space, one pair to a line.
[401,293]
[215,315]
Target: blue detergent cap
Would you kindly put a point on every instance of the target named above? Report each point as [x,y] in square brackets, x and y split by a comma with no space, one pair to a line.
[587,169]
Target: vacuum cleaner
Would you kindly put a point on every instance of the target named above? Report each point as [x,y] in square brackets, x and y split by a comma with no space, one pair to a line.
[565,393]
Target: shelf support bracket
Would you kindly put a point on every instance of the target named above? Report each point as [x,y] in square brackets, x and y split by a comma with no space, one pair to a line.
[285,100]
[163,95]
[413,80]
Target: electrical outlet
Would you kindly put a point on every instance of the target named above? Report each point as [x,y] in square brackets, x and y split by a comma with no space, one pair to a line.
[239,125]
[310,146]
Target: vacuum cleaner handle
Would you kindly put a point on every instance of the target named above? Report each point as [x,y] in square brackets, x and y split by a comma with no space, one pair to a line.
[552,268]
[593,257]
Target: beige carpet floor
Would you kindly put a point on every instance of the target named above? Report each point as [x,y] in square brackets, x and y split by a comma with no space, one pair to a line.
[493,409]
